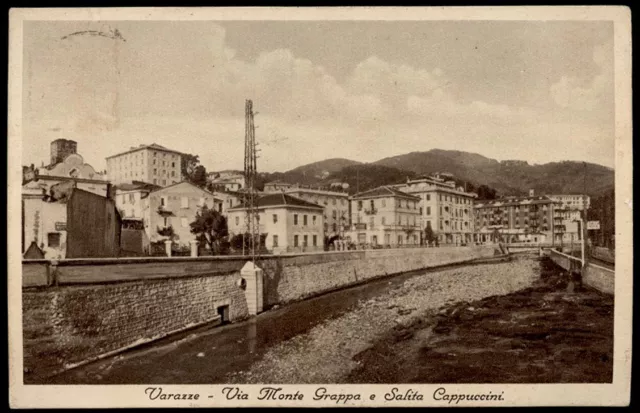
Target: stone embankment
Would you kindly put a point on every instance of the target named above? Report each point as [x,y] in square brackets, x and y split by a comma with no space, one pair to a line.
[327,353]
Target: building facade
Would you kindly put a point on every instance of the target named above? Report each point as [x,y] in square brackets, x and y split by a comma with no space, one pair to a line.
[384,216]
[153,164]
[516,219]
[572,201]
[447,209]
[335,204]
[277,186]
[160,208]
[227,182]
[291,224]
[80,224]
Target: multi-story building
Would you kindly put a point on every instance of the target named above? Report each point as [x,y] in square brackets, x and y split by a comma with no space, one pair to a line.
[153,164]
[291,224]
[277,186]
[335,204]
[572,201]
[447,209]
[158,208]
[384,216]
[516,219]
[226,181]
[229,199]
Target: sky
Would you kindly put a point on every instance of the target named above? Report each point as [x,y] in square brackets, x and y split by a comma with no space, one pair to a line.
[535,91]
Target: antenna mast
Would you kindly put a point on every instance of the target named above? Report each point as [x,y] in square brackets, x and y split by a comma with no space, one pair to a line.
[250,173]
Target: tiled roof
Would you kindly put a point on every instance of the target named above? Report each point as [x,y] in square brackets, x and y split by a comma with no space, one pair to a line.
[279,199]
[384,191]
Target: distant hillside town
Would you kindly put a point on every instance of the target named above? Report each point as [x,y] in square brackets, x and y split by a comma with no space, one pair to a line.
[154,200]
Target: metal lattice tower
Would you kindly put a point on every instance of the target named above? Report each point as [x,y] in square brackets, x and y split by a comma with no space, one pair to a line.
[250,174]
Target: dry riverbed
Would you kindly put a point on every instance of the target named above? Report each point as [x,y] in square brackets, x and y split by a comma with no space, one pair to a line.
[381,339]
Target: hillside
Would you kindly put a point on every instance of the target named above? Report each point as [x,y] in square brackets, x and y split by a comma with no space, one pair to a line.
[507,177]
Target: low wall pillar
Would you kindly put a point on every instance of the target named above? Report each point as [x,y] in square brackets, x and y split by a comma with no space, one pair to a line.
[194,248]
[253,277]
[167,247]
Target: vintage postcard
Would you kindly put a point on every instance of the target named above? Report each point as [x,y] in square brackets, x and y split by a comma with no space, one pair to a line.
[320,207]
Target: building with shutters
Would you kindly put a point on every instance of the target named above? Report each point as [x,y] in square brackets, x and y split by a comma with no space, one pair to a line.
[153,164]
[384,216]
[291,224]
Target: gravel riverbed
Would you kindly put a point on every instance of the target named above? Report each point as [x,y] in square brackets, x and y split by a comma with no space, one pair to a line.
[327,353]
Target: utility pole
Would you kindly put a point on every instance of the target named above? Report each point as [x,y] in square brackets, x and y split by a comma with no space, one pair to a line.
[250,174]
[584,213]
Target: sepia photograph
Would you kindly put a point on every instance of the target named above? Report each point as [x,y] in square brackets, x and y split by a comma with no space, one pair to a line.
[320,207]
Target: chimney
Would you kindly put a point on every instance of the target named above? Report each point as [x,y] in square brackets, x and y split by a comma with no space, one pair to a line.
[531,192]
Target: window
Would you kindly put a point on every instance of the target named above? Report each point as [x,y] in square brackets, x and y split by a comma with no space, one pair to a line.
[315,240]
[173,173]
[237,221]
[164,182]
[295,240]
[335,227]
[383,221]
[295,219]
[359,205]
[334,214]
[184,222]
[155,171]
[275,218]
[372,205]
[304,221]
[275,239]
[173,164]
[184,202]
[420,210]
[53,239]
[304,240]
[155,181]
[428,210]
[428,197]
[384,202]
[163,201]
[155,154]
[314,220]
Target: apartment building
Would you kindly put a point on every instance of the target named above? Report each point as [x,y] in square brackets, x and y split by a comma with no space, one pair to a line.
[516,219]
[335,205]
[447,209]
[384,216]
[572,201]
[291,224]
[153,164]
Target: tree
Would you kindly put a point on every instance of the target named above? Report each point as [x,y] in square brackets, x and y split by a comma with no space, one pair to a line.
[199,176]
[210,226]
[429,235]
[192,171]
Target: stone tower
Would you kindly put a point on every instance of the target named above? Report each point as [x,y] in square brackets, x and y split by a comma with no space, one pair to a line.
[61,148]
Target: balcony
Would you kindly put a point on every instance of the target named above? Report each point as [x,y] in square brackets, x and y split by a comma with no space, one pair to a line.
[371,211]
[360,227]
[164,210]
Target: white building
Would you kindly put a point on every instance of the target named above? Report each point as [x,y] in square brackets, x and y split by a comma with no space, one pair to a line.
[153,164]
[290,224]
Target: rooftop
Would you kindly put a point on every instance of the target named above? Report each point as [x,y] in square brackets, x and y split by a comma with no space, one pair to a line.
[384,191]
[280,199]
[515,201]
[152,146]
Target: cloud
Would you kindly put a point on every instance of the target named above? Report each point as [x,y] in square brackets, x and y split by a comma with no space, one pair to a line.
[588,94]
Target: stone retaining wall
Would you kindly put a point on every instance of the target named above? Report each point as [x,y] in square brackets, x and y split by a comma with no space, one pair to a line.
[77,310]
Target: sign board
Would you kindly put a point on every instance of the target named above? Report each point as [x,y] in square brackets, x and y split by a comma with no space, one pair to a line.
[593,224]
[61,226]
